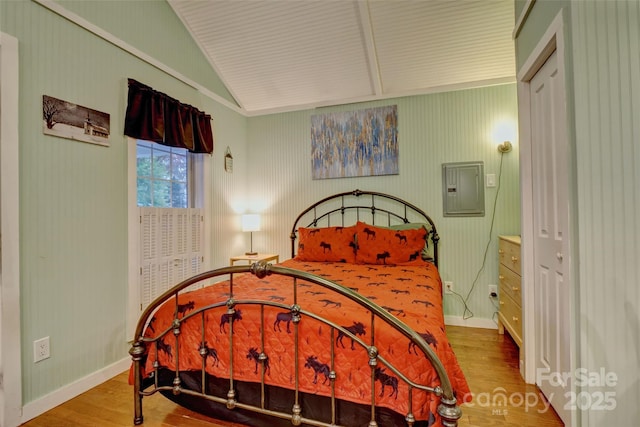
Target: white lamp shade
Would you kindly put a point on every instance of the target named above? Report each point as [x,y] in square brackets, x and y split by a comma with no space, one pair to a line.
[504,130]
[250,222]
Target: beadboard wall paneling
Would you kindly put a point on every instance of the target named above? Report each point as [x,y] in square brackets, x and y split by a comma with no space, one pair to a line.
[72,208]
[73,195]
[433,129]
[607,70]
[228,189]
[123,21]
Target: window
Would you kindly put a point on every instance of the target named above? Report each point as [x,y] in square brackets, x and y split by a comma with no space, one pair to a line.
[171,231]
[167,194]
[163,176]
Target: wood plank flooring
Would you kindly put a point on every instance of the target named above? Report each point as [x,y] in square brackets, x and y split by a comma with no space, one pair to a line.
[489,360]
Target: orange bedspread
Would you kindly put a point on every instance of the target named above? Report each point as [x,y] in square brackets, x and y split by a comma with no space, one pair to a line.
[411,293]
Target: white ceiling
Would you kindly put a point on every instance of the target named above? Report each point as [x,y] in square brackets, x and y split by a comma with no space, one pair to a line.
[284,55]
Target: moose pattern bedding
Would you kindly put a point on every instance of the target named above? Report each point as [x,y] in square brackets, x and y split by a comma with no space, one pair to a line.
[412,293]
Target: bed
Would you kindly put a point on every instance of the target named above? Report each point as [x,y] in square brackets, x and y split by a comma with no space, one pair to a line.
[347,332]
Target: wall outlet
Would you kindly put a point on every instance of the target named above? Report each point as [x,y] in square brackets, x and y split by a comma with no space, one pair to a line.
[41,349]
[448,287]
[493,291]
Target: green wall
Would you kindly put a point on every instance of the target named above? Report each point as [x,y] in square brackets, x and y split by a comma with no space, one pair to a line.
[536,24]
[74,260]
[433,129]
[602,73]
[73,195]
[166,40]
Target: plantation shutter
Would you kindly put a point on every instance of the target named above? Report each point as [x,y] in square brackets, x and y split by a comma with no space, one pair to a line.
[197,234]
[170,249]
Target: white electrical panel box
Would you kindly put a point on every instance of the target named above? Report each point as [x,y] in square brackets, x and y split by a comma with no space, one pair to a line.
[463,189]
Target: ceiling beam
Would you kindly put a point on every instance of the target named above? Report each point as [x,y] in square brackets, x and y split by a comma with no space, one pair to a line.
[370,45]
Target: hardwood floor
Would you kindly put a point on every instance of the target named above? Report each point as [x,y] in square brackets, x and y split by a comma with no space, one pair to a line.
[490,363]
[489,360]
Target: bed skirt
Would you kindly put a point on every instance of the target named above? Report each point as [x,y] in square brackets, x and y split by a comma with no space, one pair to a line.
[313,406]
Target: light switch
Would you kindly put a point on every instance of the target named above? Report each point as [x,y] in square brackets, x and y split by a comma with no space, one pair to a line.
[491,180]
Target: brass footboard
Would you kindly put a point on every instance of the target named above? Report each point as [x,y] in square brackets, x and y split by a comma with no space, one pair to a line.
[447,409]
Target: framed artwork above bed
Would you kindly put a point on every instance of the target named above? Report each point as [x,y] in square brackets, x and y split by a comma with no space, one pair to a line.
[355,143]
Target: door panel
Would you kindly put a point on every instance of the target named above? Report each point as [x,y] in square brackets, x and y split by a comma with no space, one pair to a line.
[550,217]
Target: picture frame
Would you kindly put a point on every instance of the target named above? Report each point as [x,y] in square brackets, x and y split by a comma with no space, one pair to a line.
[355,143]
[228,161]
[65,119]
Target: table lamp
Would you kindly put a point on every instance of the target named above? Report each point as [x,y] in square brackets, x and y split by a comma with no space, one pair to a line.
[251,223]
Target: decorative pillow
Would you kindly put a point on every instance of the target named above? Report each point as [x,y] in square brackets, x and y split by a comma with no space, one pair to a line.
[334,244]
[412,226]
[378,245]
[426,253]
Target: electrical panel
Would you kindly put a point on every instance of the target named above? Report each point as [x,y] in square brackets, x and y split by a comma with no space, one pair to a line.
[463,189]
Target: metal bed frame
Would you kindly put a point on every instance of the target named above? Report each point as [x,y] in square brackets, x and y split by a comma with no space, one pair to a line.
[448,410]
[366,206]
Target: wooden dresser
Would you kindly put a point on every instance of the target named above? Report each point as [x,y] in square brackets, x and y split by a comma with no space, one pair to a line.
[510,314]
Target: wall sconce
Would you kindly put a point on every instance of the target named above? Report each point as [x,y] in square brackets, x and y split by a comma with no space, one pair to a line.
[504,130]
[505,147]
[251,223]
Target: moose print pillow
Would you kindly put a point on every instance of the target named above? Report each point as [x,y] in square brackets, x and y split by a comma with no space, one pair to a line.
[331,244]
[385,246]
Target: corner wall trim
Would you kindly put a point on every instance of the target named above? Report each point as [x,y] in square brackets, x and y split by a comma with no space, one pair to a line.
[522,18]
[10,332]
[105,35]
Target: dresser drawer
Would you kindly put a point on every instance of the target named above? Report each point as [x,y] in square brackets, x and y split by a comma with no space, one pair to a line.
[510,284]
[511,316]
[509,253]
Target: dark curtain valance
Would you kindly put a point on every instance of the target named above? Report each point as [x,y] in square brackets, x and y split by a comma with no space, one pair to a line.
[154,116]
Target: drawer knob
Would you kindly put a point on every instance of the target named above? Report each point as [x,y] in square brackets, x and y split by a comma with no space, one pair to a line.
[501,277]
[514,258]
[515,319]
[559,255]
[501,302]
[500,251]
[515,288]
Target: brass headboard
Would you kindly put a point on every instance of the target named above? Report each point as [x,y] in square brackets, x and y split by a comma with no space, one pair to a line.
[375,208]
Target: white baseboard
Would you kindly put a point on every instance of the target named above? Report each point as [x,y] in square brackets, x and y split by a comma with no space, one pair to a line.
[61,395]
[57,397]
[473,322]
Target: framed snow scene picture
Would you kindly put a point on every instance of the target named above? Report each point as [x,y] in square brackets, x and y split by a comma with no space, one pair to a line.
[355,143]
[67,120]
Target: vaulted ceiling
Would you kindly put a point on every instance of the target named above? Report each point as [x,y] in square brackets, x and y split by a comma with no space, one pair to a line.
[284,55]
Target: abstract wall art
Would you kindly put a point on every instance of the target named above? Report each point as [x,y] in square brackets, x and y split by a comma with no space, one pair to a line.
[355,144]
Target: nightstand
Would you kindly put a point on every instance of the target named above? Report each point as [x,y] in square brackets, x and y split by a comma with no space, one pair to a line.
[255,258]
